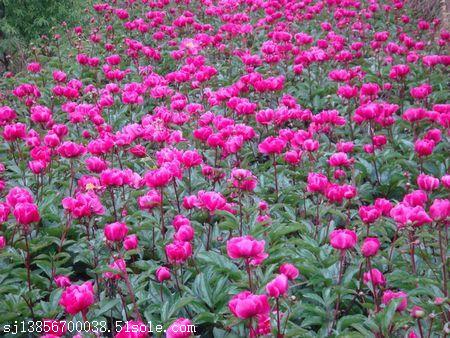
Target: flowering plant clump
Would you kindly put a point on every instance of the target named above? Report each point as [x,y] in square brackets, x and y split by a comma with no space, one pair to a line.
[246,168]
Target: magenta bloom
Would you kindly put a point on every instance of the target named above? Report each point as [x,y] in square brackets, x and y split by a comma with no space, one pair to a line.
[118,267]
[158,178]
[83,205]
[191,158]
[271,145]
[427,182]
[370,246]
[178,252]
[369,214]
[424,147]
[289,270]
[339,160]
[375,277]
[150,200]
[247,248]
[130,242]
[404,214]
[343,239]
[71,149]
[26,213]
[278,286]
[115,232]
[18,195]
[211,201]
[389,295]
[162,274]
[243,179]
[34,67]
[246,305]
[77,298]
[383,205]
[62,281]
[185,233]
[440,209]
[317,182]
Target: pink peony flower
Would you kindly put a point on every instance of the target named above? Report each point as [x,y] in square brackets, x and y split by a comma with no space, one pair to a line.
[289,270]
[247,248]
[389,295]
[77,298]
[115,232]
[246,305]
[130,242]
[62,281]
[427,183]
[375,277]
[369,214]
[178,252]
[162,274]
[278,286]
[440,209]
[26,213]
[370,246]
[343,239]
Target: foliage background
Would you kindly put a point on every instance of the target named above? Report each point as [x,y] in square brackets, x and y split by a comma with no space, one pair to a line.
[23,21]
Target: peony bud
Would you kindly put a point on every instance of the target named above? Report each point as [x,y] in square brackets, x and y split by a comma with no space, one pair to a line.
[370,246]
[130,242]
[417,312]
[162,274]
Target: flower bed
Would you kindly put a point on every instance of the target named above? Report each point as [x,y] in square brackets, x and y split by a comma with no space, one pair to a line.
[229,169]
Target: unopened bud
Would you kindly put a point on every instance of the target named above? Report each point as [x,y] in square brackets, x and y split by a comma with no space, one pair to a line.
[447,328]
[417,312]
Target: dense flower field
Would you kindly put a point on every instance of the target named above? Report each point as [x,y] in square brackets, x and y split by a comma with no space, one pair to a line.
[248,167]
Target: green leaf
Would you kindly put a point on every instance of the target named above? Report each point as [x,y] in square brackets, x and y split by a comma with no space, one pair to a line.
[202,290]
[105,306]
[388,314]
